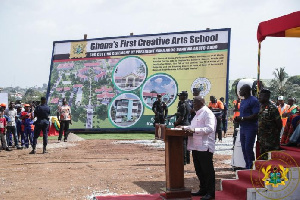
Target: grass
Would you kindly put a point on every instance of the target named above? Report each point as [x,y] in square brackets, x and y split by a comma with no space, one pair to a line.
[116,136]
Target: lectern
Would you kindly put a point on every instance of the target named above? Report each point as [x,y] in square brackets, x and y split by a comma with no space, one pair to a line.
[173,138]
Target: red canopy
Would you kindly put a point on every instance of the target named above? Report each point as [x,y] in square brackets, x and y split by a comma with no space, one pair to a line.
[284,26]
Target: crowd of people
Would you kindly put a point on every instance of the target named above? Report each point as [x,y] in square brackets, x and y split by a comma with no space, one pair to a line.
[22,124]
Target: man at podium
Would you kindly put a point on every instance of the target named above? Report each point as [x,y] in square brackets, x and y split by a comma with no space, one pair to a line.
[202,145]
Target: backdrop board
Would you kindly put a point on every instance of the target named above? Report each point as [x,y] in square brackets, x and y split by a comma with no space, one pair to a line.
[112,83]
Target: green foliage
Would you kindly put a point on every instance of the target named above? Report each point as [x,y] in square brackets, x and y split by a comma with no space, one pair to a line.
[281,86]
[294,79]
[78,113]
[32,95]
[68,94]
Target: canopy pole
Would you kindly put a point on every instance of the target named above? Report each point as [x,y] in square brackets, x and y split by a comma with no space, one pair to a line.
[258,68]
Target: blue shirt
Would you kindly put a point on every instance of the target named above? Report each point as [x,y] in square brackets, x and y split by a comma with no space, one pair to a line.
[249,106]
[42,112]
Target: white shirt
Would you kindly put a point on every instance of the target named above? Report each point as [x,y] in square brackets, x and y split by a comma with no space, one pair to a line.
[204,124]
[11,114]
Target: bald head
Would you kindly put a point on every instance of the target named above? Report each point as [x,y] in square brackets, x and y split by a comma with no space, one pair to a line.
[198,102]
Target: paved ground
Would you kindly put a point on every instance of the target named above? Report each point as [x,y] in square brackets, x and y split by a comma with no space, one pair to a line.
[80,169]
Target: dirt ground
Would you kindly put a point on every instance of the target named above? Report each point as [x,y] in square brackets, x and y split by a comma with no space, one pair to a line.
[81,169]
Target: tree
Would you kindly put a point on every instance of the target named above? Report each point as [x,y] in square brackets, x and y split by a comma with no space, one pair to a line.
[292,86]
[101,112]
[277,85]
[32,95]
[294,79]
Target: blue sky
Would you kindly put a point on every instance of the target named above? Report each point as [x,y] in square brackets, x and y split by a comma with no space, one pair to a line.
[29,27]
[161,84]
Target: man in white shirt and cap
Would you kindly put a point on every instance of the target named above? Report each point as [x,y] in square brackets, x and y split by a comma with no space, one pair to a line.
[202,145]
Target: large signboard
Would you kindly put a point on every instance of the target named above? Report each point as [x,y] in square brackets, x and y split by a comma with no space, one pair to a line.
[112,83]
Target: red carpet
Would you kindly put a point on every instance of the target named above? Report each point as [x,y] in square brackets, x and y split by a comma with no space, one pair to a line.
[135,197]
[290,148]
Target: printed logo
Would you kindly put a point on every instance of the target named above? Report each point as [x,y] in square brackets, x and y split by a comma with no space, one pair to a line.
[274,179]
[78,50]
[203,84]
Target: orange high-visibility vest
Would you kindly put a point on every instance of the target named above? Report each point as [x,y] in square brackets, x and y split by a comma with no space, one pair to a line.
[285,110]
[292,108]
[236,113]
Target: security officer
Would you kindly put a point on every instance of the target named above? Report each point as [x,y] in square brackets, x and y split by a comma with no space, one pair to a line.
[42,113]
[182,119]
[269,125]
[196,92]
[160,110]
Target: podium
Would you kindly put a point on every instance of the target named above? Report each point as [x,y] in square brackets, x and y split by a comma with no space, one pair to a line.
[174,166]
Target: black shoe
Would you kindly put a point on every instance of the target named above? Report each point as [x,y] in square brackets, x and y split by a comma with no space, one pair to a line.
[33,151]
[45,150]
[19,147]
[208,197]
[65,140]
[199,193]
[8,149]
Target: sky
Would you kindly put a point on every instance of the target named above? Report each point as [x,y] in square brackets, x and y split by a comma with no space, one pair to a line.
[29,27]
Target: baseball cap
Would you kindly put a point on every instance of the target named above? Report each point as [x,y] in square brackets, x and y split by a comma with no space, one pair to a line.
[183,93]
[3,104]
[26,105]
[280,98]
[196,90]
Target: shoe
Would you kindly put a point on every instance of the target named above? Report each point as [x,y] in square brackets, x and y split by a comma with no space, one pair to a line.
[19,147]
[44,150]
[207,197]
[199,193]
[59,141]
[65,140]
[33,151]
[8,149]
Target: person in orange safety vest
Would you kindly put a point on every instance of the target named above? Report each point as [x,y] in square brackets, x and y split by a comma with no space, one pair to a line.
[282,109]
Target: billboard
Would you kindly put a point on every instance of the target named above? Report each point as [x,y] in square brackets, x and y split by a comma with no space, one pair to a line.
[112,83]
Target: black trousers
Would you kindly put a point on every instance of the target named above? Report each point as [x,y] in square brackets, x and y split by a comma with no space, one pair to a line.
[219,128]
[203,163]
[186,153]
[43,126]
[64,127]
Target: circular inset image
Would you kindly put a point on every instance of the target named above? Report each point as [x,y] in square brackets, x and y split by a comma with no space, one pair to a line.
[161,84]
[203,84]
[129,73]
[125,110]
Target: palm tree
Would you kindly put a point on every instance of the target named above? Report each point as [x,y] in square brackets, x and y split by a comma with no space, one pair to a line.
[280,76]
